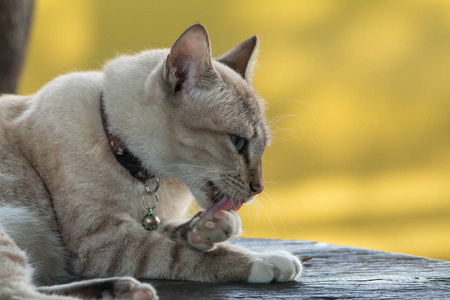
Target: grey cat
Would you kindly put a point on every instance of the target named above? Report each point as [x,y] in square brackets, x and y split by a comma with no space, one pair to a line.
[98,169]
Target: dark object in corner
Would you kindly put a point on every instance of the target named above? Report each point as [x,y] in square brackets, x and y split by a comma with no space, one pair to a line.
[15,20]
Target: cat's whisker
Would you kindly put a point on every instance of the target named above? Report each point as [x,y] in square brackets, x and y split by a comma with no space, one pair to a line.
[301,119]
[257,220]
[180,177]
[268,216]
[270,182]
[282,211]
[185,165]
[277,119]
[205,182]
[202,175]
[266,196]
[275,132]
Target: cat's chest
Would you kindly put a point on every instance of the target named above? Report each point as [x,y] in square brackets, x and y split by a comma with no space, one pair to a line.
[174,199]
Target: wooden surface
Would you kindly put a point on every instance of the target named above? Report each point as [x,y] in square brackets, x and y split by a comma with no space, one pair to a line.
[335,272]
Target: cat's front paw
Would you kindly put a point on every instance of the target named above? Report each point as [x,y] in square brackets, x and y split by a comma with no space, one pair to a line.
[213,228]
[275,266]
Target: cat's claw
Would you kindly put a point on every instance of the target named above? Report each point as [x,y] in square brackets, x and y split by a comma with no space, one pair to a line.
[130,288]
[275,266]
[213,228]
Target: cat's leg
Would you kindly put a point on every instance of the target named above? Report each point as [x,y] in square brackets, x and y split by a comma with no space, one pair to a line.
[31,231]
[15,274]
[16,281]
[205,232]
[116,245]
[104,288]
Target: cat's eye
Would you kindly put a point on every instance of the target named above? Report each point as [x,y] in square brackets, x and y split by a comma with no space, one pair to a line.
[239,142]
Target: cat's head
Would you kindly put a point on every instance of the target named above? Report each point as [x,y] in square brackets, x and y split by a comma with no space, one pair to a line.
[206,122]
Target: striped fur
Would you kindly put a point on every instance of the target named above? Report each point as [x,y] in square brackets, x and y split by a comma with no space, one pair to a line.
[68,209]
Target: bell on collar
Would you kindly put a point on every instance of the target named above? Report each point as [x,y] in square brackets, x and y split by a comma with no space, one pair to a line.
[150,221]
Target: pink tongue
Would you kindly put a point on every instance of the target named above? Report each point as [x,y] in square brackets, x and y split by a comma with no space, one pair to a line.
[225,203]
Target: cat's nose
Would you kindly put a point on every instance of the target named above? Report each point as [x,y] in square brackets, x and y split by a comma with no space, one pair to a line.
[256,188]
[256,179]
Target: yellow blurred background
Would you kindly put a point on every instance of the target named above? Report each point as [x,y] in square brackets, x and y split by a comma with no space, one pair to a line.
[358,97]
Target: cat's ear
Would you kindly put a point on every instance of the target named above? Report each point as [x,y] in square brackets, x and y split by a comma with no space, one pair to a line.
[242,57]
[189,57]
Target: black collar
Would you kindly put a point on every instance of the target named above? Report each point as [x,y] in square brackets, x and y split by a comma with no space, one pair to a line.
[120,151]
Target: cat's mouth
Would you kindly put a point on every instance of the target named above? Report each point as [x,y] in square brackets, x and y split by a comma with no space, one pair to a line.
[220,201]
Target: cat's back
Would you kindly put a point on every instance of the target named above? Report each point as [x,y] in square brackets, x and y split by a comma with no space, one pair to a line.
[25,119]
[15,170]
[61,90]
[12,107]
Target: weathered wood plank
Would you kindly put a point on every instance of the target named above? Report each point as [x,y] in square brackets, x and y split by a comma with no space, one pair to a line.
[335,272]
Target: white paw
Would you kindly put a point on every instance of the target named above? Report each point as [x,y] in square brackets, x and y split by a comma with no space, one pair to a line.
[213,228]
[275,266]
[130,288]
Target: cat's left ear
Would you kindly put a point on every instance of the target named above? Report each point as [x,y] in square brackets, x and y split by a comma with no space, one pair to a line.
[189,57]
[242,57]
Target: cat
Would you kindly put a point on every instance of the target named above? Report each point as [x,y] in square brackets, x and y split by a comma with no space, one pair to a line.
[91,162]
